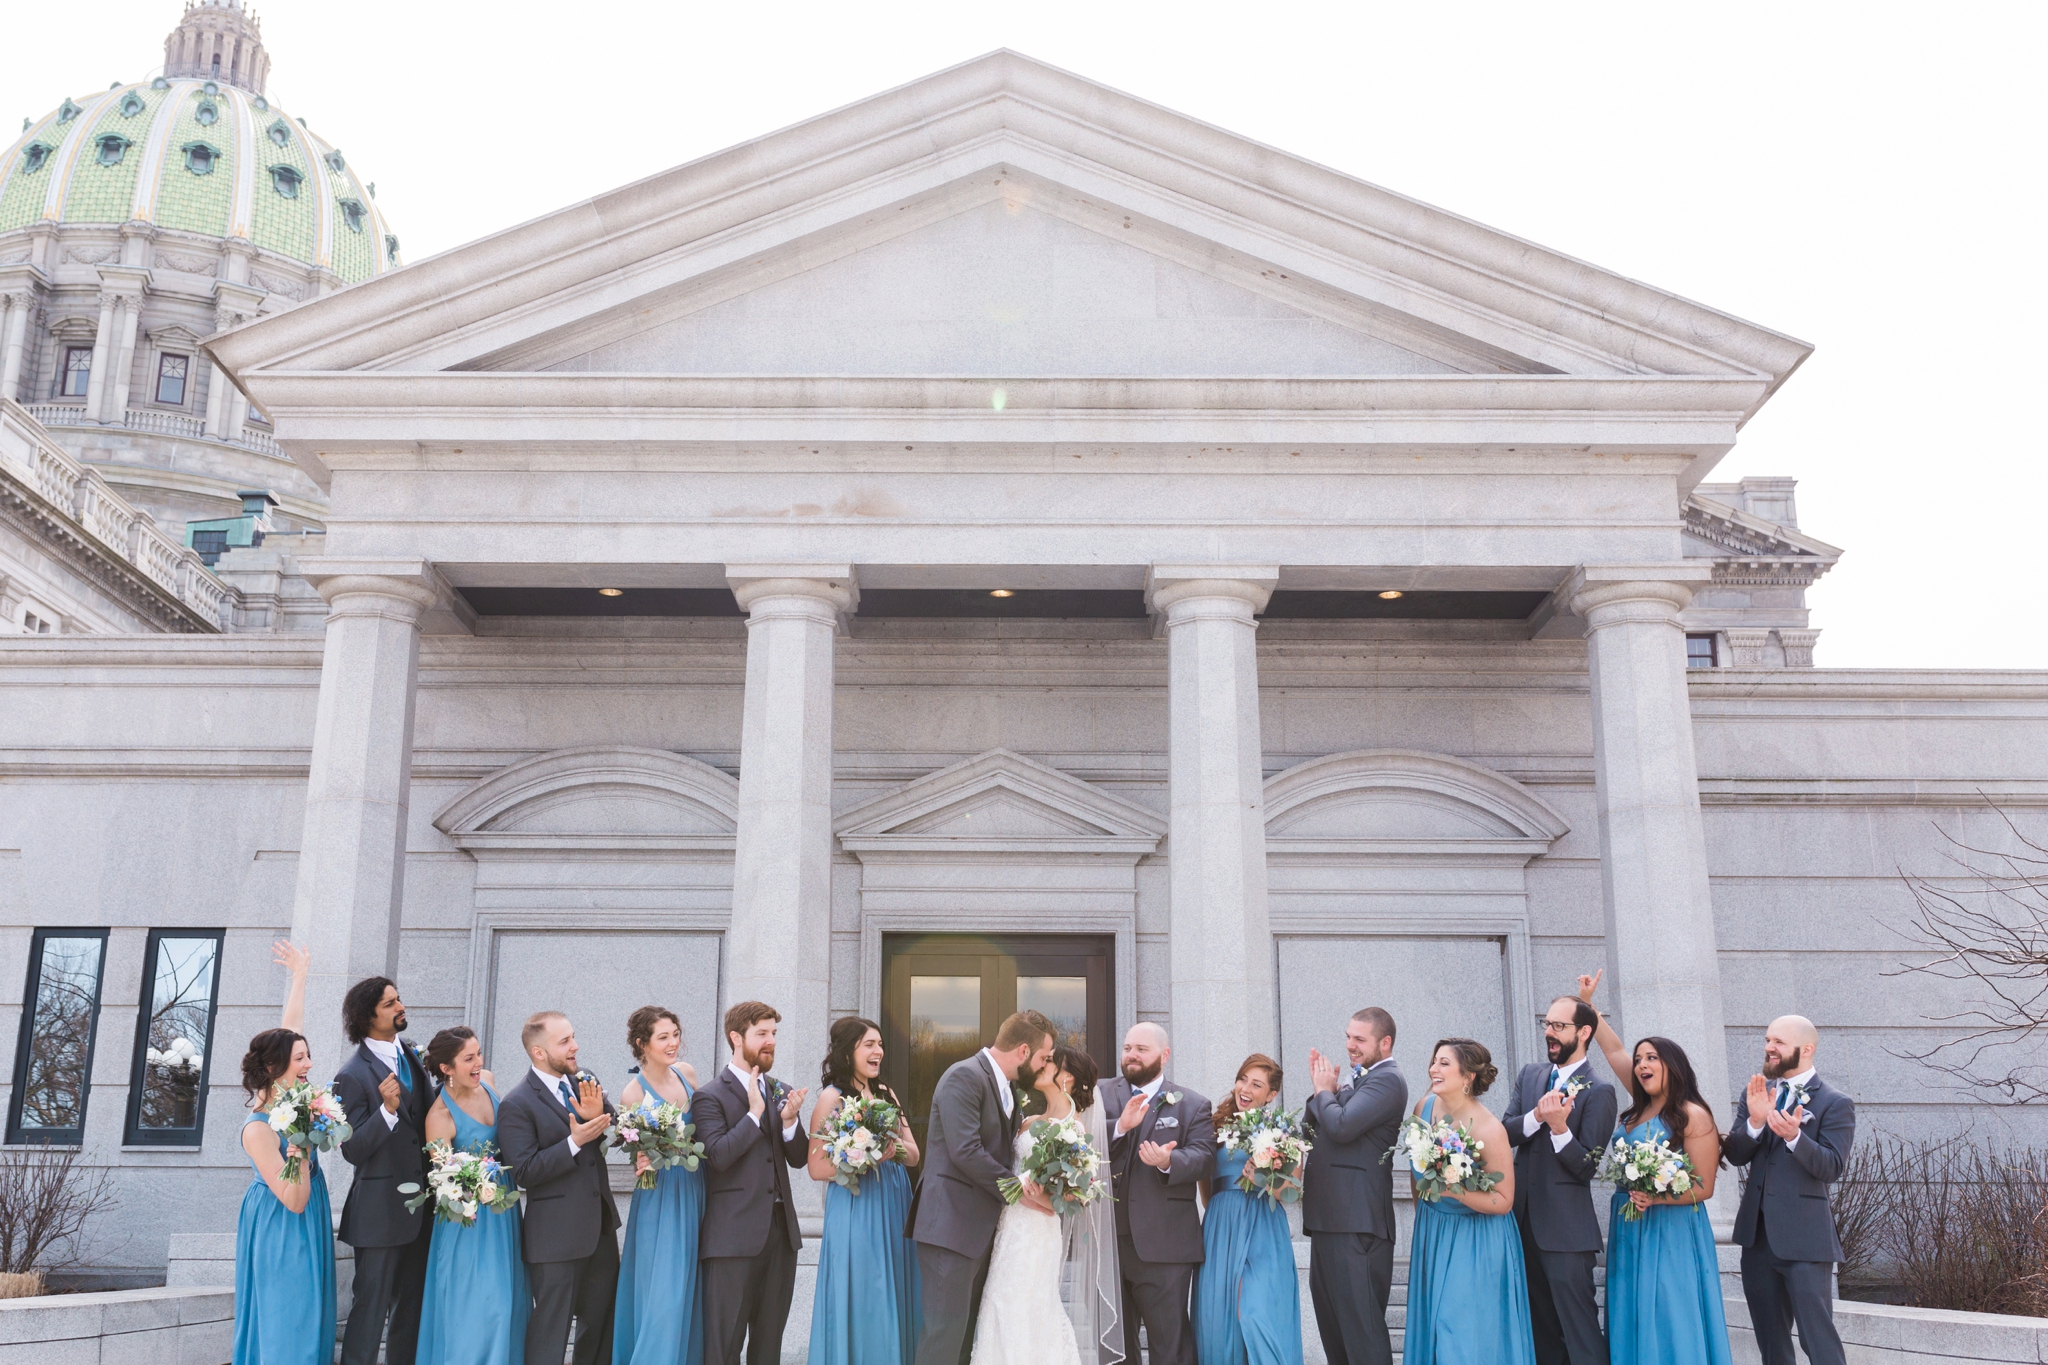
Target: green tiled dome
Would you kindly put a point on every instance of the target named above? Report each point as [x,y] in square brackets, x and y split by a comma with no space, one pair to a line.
[197,156]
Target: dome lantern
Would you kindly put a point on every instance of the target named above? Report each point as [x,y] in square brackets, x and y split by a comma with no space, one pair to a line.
[218,40]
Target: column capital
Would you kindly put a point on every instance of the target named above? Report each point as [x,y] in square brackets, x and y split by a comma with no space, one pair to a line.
[834,586]
[1609,594]
[1168,585]
[398,588]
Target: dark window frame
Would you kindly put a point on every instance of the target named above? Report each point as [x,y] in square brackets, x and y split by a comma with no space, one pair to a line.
[1713,643]
[183,377]
[81,373]
[132,1133]
[55,1137]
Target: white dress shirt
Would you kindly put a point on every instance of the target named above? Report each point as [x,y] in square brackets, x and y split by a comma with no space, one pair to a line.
[1803,1079]
[1002,1082]
[1530,1123]
[749,1082]
[386,1053]
[549,1082]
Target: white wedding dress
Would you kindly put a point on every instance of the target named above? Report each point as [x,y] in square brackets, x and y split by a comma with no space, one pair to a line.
[1044,1274]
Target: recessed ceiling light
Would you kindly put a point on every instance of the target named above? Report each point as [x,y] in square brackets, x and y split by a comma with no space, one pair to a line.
[611,592]
[1389,595]
[1002,592]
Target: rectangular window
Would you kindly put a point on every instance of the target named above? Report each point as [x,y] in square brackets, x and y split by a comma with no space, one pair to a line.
[1699,651]
[174,1038]
[59,1017]
[77,371]
[170,377]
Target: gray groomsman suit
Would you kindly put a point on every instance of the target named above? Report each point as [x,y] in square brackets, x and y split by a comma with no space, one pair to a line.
[1158,1233]
[749,1242]
[1784,1226]
[568,1233]
[1554,1213]
[391,1241]
[969,1145]
[1347,1209]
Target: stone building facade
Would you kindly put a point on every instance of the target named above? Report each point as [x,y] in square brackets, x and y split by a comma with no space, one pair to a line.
[999,543]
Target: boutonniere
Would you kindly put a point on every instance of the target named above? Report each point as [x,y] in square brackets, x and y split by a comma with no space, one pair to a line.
[1800,1097]
[1170,1097]
[1576,1086]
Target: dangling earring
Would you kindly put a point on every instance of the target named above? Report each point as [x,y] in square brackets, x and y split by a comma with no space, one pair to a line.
[1468,1090]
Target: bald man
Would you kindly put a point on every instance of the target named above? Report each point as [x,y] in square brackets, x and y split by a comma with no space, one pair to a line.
[1794,1131]
[1162,1146]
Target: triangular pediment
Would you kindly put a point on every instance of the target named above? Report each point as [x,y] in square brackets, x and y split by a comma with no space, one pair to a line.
[1000,218]
[1000,801]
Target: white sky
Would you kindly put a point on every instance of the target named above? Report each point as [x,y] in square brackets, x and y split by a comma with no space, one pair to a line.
[1866,177]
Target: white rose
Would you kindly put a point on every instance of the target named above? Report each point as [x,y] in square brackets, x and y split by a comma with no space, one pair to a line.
[486,1192]
[283,1116]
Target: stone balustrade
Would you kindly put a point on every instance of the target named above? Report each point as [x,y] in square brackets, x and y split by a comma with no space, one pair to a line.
[155,422]
[29,456]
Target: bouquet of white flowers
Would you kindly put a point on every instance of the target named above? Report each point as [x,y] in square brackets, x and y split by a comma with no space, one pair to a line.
[311,1119]
[859,1137]
[1275,1147]
[1445,1157]
[1059,1159]
[663,1134]
[1652,1166]
[460,1183]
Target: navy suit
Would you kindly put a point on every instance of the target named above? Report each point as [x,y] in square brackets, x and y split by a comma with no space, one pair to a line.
[1554,1214]
[1785,1228]
[569,1235]
[391,1243]
[749,1241]
[1347,1210]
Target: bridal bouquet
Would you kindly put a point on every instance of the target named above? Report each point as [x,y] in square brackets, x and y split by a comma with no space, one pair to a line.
[1275,1146]
[1445,1158]
[310,1119]
[1652,1166]
[460,1183]
[859,1137]
[1059,1159]
[663,1134]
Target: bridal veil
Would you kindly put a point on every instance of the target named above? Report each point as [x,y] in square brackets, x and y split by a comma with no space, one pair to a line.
[1089,1285]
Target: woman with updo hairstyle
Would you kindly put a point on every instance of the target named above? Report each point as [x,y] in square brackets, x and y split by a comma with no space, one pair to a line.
[1247,1302]
[475,1306]
[284,1236]
[866,1311]
[654,1317]
[1468,1295]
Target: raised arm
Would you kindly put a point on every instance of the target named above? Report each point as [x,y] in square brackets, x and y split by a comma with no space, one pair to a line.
[1609,1042]
[519,1144]
[295,960]
[1376,1100]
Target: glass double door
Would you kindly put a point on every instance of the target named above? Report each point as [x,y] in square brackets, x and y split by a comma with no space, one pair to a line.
[944,996]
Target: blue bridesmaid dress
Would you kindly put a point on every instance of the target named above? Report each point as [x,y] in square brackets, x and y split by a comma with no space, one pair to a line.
[1247,1295]
[1663,1281]
[284,1273]
[656,1318]
[475,1306]
[1468,1296]
[867,1310]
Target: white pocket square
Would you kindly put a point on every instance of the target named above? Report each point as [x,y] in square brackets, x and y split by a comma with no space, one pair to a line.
[1165,1123]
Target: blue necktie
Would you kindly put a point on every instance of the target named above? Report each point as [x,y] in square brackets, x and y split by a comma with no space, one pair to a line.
[404,1071]
[1784,1097]
[1553,1079]
[568,1100]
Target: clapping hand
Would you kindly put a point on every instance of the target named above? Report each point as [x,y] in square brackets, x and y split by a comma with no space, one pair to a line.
[589,1099]
[1157,1154]
[1133,1115]
[793,1105]
[1785,1123]
[757,1103]
[1322,1072]
[1554,1109]
[589,1130]
[1758,1099]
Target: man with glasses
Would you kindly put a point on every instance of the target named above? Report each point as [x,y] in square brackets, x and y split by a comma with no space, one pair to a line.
[1558,1122]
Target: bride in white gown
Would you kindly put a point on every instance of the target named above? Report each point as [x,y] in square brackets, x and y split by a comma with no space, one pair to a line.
[1052,1280]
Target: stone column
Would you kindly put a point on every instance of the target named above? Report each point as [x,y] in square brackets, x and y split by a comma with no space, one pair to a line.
[1661,955]
[102,345]
[779,948]
[18,306]
[1221,947]
[124,363]
[217,387]
[237,414]
[352,852]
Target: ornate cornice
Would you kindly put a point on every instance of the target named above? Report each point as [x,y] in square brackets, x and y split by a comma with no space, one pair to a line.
[58,535]
[1756,552]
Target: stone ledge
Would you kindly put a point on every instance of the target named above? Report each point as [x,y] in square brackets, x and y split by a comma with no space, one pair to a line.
[1882,1334]
[168,1326]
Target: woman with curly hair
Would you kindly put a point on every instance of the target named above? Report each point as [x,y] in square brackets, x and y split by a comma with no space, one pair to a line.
[284,1238]
[866,1308]
[1468,1294]
[654,1316]
[1247,1293]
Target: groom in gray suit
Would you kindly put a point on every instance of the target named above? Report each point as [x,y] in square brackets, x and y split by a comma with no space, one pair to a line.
[1794,1131]
[1347,1192]
[1162,1148]
[969,1146]
[1558,1123]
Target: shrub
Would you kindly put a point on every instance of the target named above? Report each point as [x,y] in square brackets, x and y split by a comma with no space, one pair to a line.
[46,1199]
